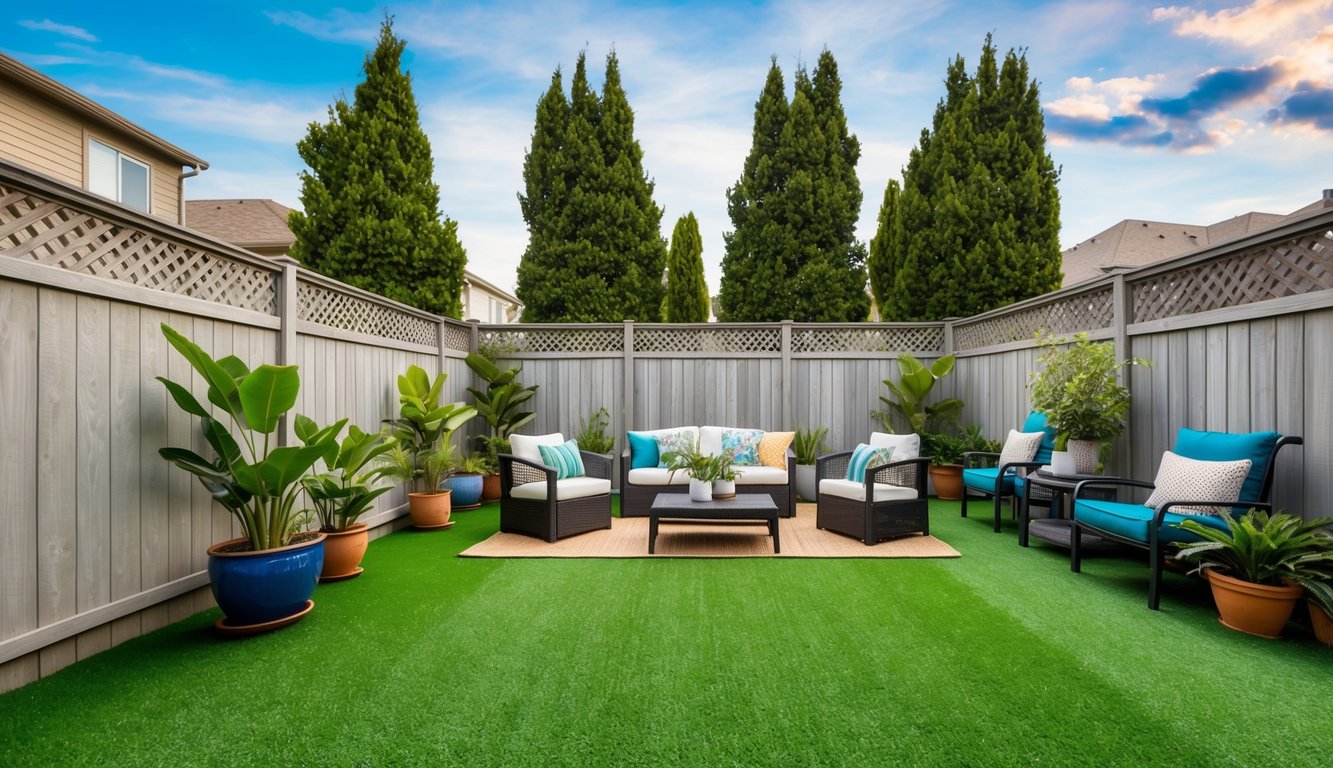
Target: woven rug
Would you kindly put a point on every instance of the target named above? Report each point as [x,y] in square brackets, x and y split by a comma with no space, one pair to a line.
[628,537]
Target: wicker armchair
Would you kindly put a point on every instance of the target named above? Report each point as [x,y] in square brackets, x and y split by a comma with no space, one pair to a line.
[540,511]
[891,503]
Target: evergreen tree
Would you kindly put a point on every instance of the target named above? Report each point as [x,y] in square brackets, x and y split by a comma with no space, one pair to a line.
[976,224]
[595,250]
[372,213]
[792,253]
[880,263]
[686,294]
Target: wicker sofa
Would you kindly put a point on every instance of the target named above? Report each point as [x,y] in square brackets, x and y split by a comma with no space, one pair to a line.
[639,487]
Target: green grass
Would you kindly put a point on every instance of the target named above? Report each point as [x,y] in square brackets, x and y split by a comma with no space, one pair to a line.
[1001,657]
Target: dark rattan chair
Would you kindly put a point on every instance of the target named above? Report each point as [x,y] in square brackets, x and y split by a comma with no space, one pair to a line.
[864,518]
[550,517]
[1152,529]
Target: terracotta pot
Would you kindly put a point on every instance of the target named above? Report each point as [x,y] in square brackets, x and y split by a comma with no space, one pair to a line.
[1255,609]
[948,480]
[1321,622]
[490,487]
[430,510]
[343,551]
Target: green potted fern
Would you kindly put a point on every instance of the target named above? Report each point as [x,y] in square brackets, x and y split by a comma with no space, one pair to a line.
[1260,564]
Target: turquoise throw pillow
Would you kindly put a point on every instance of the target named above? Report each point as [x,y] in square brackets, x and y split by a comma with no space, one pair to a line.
[743,444]
[865,457]
[564,458]
[1228,446]
[643,451]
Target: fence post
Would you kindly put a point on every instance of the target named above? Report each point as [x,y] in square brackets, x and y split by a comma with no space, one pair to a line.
[287,314]
[1120,313]
[948,339]
[474,337]
[787,394]
[628,354]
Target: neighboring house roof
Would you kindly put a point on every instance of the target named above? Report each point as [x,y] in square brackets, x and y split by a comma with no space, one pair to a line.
[1138,242]
[41,84]
[253,224]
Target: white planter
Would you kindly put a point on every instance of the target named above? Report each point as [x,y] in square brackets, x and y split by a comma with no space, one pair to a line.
[1062,463]
[1085,454]
[805,481]
[724,489]
[700,490]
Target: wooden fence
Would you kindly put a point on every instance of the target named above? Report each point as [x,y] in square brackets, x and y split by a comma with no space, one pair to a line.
[100,540]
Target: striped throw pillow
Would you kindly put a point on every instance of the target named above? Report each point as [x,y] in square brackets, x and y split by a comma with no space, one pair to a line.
[564,458]
[865,457]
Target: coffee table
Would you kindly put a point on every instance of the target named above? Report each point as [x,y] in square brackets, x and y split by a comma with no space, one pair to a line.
[755,507]
[1056,529]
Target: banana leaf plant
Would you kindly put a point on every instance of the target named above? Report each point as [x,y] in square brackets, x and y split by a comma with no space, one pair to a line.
[423,424]
[346,490]
[252,477]
[911,391]
[498,404]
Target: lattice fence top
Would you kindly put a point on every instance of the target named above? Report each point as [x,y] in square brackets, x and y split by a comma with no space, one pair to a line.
[887,339]
[719,339]
[336,309]
[1300,265]
[1087,311]
[456,337]
[500,342]
[58,235]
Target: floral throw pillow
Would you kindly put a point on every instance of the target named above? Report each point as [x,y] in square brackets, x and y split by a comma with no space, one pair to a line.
[743,444]
[675,441]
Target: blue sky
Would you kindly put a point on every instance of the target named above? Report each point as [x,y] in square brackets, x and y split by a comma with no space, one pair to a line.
[1189,112]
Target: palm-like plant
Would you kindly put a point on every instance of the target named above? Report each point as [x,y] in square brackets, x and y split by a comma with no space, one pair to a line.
[911,391]
[423,428]
[255,480]
[499,403]
[1266,549]
[808,444]
[345,491]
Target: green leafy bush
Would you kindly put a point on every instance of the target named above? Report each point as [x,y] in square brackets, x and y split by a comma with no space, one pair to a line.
[1078,389]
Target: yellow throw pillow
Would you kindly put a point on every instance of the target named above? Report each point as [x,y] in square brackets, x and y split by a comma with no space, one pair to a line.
[773,449]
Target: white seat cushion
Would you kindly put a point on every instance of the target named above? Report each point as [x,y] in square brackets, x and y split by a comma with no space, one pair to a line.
[759,475]
[658,476]
[904,446]
[569,488]
[857,491]
[525,446]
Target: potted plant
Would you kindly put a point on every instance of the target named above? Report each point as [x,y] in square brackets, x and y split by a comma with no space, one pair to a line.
[592,434]
[465,481]
[724,475]
[703,469]
[424,453]
[499,405]
[946,451]
[264,579]
[910,392]
[1079,391]
[344,492]
[1320,602]
[808,445]
[1259,565]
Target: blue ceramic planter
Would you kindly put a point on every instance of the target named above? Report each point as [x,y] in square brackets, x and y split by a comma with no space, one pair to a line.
[466,488]
[261,587]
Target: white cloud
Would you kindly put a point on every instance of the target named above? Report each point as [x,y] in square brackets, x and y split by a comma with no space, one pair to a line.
[239,114]
[46,25]
[1256,24]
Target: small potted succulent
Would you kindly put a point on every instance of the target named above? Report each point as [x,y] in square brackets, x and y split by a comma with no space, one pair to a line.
[1259,566]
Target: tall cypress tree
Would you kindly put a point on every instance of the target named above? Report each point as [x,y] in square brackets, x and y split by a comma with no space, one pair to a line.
[372,213]
[792,253]
[595,250]
[880,263]
[976,224]
[686,293]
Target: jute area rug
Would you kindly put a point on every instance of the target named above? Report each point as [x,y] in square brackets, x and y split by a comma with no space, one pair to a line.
[628,537]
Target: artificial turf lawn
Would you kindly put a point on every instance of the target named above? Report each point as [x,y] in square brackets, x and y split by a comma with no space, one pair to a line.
[1000,657]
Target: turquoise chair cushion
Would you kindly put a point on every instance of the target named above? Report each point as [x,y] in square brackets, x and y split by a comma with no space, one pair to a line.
[1036,422]
[1227,446]
[1131,521]
[983,479]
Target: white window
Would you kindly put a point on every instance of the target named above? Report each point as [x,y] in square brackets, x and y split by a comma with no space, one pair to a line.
[117,176]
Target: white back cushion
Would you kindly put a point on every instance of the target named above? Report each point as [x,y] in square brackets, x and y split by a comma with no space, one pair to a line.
[904,446]
[710,440]
[1020,446]
[525,446]
[1183,479]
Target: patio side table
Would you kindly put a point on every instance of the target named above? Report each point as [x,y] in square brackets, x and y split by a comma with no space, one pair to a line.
[1056,529]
